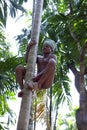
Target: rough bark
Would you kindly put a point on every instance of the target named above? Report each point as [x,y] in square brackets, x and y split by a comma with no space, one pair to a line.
[25,108]
[81,113]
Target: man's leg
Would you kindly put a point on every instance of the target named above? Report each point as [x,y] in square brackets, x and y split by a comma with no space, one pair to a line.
[46,78]
[20,73]
[48,75]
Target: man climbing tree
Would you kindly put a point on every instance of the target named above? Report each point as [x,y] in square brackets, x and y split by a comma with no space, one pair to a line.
[39,80]
[46,65]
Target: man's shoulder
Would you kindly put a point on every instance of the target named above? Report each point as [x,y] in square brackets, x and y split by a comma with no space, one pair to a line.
[39,56]
[53,56]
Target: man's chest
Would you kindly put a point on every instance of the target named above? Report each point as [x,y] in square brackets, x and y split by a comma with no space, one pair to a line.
[43,61]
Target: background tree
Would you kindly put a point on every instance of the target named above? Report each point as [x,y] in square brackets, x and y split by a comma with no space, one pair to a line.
[7,79]
[10,7]
[8,62]
[69,37]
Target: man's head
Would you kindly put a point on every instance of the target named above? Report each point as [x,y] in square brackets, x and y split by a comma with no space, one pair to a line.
[50,42]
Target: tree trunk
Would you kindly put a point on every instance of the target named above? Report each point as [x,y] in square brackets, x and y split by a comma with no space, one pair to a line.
[81,113]
[50,116]
[24,114]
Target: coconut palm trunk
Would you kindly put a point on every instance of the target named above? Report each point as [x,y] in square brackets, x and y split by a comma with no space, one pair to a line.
[24,115]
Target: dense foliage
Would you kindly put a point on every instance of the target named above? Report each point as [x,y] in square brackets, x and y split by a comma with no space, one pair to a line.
[8,62]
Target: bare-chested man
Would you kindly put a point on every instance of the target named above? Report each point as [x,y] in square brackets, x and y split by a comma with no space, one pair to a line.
[46,66]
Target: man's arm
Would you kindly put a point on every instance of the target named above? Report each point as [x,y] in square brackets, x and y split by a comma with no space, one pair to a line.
[54,57]
[28,49]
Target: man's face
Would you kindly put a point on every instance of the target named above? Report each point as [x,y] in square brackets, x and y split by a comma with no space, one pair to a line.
[47,49]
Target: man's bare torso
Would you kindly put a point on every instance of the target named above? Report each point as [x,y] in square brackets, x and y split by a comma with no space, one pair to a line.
[43,61]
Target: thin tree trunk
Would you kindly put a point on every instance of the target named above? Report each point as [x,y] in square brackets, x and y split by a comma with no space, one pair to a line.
[24,114]
[81,113]
[47,114]
[50,117]
[35,108]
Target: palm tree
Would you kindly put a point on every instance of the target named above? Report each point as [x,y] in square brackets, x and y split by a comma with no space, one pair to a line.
[7,61]
[24,115]
[7,77]
[10,7]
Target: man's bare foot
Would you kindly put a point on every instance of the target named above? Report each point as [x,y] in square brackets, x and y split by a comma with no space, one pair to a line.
[32,85]
[20,94]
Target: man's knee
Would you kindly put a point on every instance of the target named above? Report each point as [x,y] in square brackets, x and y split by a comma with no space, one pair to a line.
[19,68]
